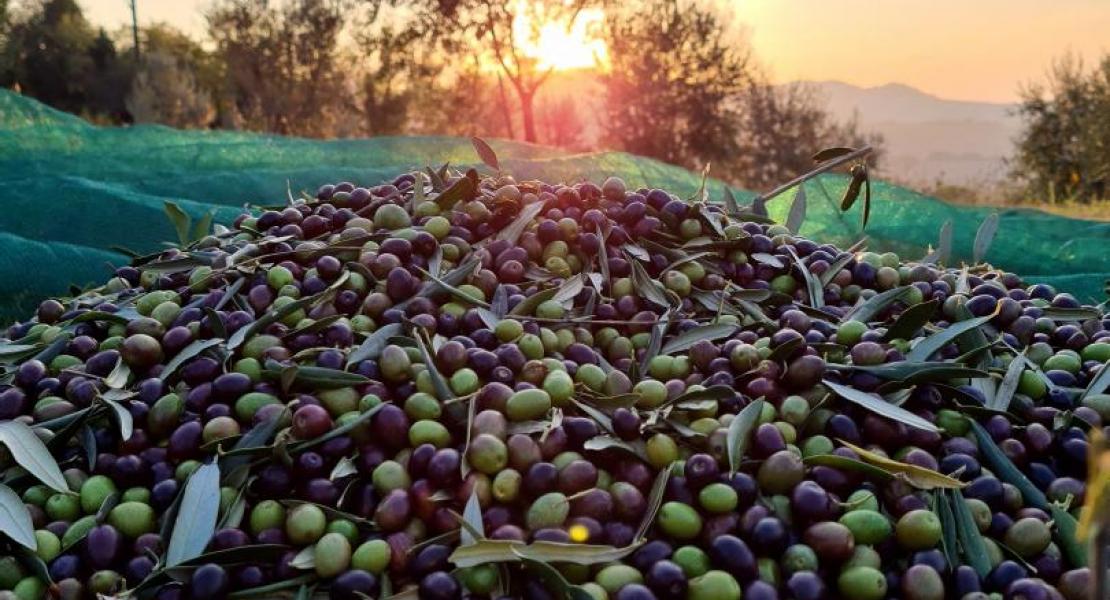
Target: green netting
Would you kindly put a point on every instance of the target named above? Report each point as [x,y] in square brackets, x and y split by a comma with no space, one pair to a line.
[73,191]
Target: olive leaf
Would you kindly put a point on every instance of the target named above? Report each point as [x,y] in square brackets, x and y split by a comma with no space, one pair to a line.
[497,551]
[372,346]
[797,213]
[472,516]
[983,237]
[272,316]
[948,540]
[999,464]
[649,289]
[344,468]
[524,218]
[879,406]
[915,372]
[713,392]
[1098,383]
[305,559]
[922,350]
[759,206]
[655,342]
[15,519]
[196,517]
[443,285]
[317,377]
[830,153]
[918,477]
[770,260]
[190,351]
[123,417]
[603,255]
[1005,393]
[851,193]
[29,452]
[1059,313]
[944,243]
[554,581]
[814,288]
[866,197]
[203,225]
[911,320]
[341,430]
[330,512]
[847,464]
[528,305]
[463,189]
[740,432]
[967,532]
[731,206]
[180,220]
[686,340]
[443,391]
[87,442]
[837,265]
[485,152]
[569,290]
[868,310]
[1065,532]
[701,194]
[654,501]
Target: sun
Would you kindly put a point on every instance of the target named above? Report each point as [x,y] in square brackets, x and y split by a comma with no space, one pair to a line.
[555,46]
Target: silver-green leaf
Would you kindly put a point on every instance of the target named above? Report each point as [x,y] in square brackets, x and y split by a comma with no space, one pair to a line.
[30,453]
[196,518]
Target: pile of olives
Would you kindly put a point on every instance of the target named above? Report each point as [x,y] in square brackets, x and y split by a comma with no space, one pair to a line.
[455,386]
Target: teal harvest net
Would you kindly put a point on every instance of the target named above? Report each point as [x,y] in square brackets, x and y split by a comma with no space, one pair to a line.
[74,193]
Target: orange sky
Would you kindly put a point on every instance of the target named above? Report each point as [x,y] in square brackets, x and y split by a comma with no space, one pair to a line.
[961,49]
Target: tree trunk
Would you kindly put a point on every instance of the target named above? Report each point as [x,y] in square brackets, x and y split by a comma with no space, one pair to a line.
[505,111]
[528,115]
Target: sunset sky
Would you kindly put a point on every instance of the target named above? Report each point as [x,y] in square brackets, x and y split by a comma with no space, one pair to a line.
[959,49]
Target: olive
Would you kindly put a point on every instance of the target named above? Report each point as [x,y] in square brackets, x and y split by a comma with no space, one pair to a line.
[305,524]
[862,583]
[922,582]
[780,472]
[732,555]
[714,585]
[209,581]
[918,530]
[831,541]
[679,520]
[353,584]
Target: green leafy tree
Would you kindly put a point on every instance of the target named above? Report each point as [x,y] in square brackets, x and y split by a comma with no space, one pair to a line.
[1063,152]
[683,88]
[283,67]
[670,91]
[175,81]
[782,127]
[49,54]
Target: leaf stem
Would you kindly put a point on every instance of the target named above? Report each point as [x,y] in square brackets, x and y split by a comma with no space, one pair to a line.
[823,167]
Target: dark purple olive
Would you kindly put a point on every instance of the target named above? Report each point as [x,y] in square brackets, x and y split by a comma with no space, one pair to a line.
[102,546]
[209,581]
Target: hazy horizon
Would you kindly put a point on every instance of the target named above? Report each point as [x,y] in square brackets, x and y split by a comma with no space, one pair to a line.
[980,51]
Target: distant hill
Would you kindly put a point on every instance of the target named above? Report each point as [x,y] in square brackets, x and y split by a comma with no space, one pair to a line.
[929,137]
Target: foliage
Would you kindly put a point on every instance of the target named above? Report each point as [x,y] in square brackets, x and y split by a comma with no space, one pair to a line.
[282,63]
[780,128]
[682,85]
[691,95]
[165,90]
[1062,153]
[674,75]
[51,52]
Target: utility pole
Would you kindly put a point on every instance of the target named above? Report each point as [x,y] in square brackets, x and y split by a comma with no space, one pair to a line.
[135,27]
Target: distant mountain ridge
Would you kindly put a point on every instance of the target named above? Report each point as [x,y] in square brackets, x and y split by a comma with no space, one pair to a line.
[927,137]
